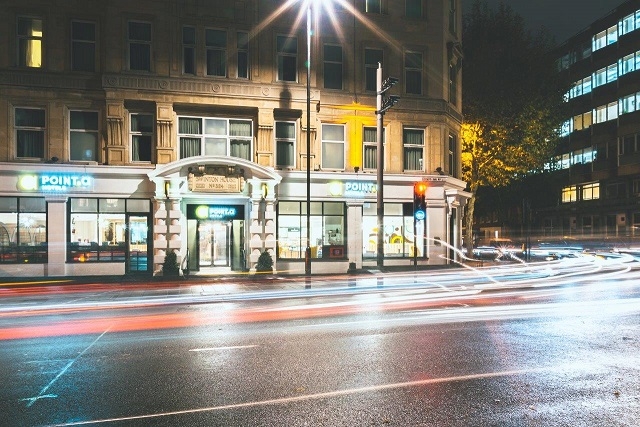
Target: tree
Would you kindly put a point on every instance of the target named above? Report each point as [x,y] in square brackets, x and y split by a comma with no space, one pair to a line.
[513,102]
[170,267]
[265,263]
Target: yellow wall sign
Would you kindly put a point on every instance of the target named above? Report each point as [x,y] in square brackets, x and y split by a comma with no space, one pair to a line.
[215,184]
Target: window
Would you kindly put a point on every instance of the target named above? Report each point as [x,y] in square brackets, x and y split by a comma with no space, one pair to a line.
[139,39]
[413,9]
[333,139]
[373,6]
[30,127]
[413,72]
[612,73]
[627,24]
[453,84]
[627,64]
[628,104]
[83,135]
[453,16]
[612,34]
[98,228]
[242,44]
[372,57]
[600,77]
[370,147]
[83,46]
[141,134]
[402,239]
[453,158]
[413,141]
[328,235]
[332,66]
[591,191]
[287,50]
[599,40]
[30,38]
[285,144]
[189,50]
[216,42]
[215,137]
[569,194]
[23,230]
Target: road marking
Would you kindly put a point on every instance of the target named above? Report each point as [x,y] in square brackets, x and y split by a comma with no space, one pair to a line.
[31,400]
[223,348]
[325,395]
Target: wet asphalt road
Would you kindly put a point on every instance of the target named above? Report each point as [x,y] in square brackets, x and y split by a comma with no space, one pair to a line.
[561,356]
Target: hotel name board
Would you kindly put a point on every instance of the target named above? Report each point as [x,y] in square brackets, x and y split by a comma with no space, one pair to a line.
[353,188]
[55,182]
[215,184]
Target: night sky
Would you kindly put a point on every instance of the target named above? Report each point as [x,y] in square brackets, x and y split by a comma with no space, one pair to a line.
[561,18]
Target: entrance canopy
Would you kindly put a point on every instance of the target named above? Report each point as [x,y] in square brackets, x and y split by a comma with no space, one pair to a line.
[182,167]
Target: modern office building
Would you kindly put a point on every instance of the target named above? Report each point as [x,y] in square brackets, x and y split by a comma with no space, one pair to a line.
[130,129]
[599,162]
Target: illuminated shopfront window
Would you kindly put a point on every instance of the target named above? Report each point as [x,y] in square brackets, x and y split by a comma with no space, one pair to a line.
[327,230]
[400,241]
[23,230]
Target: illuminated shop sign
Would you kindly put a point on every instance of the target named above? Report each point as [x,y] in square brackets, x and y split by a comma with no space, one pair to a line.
[55,182]
[215,212]
[353,188]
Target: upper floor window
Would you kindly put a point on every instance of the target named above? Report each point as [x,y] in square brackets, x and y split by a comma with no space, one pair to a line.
[413,72]
[333,141]
[373,6]
[453,16]
[30,37]
[285,144]
[216,41]
[243,54]
[287,51]
[413,142]
[569,194]
[453,158]
[413,9]
[83,46]
[372,57]
[83,135]
[215,137]
[189,50]
[370,147]
[591,191]
[30,128]
[141,135]
[139,40]
[332,66]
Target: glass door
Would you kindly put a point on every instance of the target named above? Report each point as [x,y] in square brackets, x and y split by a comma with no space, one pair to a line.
[214,243]
[137,254]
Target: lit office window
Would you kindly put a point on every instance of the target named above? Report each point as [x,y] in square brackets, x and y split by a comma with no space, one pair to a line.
[591,191]
[29,38]
[569,194]
[83,135]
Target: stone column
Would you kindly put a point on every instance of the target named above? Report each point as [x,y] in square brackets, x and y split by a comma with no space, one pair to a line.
[116,150]
[165,152]
[167,229]
[56,235]
[262,228]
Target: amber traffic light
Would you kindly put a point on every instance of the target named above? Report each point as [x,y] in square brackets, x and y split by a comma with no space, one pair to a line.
[420,200]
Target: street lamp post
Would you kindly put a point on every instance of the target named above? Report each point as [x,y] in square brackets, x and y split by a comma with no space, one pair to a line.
[382,105]
[307,255]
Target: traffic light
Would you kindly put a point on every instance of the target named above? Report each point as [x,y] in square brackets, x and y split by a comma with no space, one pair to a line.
[420,200]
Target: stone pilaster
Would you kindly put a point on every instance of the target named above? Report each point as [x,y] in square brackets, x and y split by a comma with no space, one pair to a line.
[116,150]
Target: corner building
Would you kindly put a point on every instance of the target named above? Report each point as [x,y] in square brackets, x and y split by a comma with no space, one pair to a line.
[130,129]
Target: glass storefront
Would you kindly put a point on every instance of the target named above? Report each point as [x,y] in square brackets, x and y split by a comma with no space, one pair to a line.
[400,238]
[23,230]
[328,234]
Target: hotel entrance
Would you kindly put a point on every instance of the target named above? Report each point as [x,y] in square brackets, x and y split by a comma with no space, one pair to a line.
[215,238]
[214,241]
